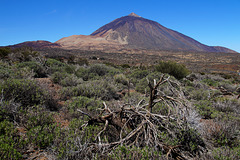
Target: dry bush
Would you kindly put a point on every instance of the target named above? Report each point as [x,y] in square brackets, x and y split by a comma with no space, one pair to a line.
[169,134]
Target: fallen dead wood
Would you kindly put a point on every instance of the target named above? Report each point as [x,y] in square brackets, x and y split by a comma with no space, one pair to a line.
[138,126]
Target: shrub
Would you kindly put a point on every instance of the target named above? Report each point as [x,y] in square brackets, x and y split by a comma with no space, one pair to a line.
[53,62]
[97,89]
[10,142]
[26,92]
[142,85]
[190,140]
[66,79]
[37,68]
[54,66]
[84,73]
[71,143]
[227,105]
[69,69]
[5,71]
[36,116]
[121,78]
[40,126]
[179,71]
[134,98]
[71,80]
[206,110]
[42,136]
[125,65]
[227,133]
[9,110]
[89,105]
[137,75]
[22,54]
[226,153]
[4,52]
[81,61]
[211,82]
[200,94]
[57,77]
[99,69]
[96,71]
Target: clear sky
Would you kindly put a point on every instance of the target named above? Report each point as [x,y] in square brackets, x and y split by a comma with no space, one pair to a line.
[211,22]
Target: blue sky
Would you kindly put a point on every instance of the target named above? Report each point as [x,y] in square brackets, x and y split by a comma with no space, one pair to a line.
[211,22]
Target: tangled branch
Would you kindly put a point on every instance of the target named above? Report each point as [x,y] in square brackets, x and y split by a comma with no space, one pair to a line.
[138,126]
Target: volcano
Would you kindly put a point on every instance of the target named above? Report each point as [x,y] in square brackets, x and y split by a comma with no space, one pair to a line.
[136,32]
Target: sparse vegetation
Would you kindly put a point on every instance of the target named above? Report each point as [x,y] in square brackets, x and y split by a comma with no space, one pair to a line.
[68,108]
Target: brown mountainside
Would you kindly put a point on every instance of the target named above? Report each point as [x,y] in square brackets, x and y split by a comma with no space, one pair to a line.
[135,32]
[129,33]
[36,44]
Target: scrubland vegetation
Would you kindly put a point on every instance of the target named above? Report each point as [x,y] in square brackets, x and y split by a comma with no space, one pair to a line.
[70,109]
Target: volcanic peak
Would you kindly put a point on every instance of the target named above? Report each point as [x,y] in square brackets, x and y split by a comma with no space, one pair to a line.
[133,15]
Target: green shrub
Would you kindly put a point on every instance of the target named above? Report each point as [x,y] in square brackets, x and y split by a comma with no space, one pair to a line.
[23,73]
[99,69]
[4,52]
[36,116]
[125,65]
[96,71]
[70,69]
[137,75]
[226,153]
[9,110]
[54,66]
[191,141]
[226,105]
[53,62]
[26,92]
[92,89]
[85,74]
[134,98]
[65,79]
[121,78]
[71,143]
[179,71]
[22,54]
[89,105]
[211,82]
[8,71]
[10,143]
[71,80]
[161,108]
[5,71]
[200,94]
[42,136]
[82,61]
[57,77]
[142,85]
[37,68]
[206,109]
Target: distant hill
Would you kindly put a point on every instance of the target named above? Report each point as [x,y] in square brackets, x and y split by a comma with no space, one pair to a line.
[36,44]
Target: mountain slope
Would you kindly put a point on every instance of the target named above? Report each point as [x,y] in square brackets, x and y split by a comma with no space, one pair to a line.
[36,44]
[138,32]
[127,33]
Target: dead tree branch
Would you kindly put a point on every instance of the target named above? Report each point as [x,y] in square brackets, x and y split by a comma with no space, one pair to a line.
[139,126]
